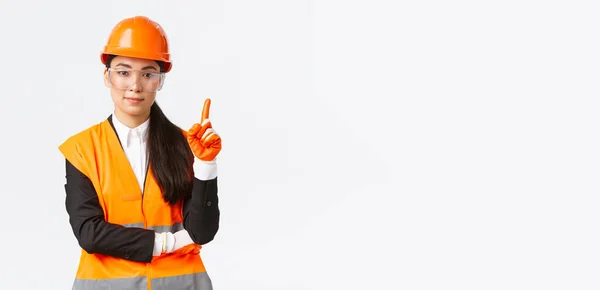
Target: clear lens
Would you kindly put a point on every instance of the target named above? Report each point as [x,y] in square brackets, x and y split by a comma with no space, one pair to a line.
[125,79]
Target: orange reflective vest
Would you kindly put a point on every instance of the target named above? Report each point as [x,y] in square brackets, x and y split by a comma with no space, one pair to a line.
[123,203]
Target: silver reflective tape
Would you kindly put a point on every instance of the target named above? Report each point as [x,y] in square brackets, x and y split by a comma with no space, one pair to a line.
[159,229]
[135,225]
[196,281]
[135,283]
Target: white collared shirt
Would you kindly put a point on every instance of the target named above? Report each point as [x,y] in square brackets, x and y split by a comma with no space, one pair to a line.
[134,143]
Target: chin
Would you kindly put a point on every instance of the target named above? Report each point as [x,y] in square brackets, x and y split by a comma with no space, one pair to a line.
[135,110]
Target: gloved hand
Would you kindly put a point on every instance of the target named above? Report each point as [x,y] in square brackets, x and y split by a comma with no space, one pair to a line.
[182,239]
[168,242]
[163,243]
[203,140]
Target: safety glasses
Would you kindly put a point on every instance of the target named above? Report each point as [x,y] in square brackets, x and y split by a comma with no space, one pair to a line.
[126,79]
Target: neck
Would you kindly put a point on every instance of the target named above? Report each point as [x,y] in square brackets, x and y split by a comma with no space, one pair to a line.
[131,121]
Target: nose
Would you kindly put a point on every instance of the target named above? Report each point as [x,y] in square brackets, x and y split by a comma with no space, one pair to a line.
[136,86]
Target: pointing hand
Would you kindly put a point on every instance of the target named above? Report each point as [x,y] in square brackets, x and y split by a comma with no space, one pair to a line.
[203,140]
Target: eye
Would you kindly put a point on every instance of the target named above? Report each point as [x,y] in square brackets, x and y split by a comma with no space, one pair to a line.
[149,75]
[123,72]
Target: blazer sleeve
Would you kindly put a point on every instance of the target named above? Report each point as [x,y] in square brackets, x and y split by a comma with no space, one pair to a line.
[201,212]
[94,234]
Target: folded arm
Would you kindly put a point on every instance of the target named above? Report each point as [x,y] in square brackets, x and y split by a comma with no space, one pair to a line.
[94,234]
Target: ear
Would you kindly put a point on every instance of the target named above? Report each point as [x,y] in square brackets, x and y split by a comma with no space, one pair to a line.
[106,83]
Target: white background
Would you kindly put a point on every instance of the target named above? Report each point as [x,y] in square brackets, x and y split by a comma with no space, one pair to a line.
[367,145]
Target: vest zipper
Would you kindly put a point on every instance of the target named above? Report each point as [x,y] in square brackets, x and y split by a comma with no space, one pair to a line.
[143,189]
[148,268]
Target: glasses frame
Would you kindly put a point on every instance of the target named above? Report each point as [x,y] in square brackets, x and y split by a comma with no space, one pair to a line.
[162,77]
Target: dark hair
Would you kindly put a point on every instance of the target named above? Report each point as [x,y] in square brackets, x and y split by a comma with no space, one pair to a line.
[169,153]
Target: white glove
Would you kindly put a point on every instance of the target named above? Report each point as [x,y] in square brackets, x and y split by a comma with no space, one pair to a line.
[205,170]
[182,239]
[163,243]
[168,242]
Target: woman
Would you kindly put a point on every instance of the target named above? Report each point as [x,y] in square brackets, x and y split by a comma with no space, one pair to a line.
[141,193]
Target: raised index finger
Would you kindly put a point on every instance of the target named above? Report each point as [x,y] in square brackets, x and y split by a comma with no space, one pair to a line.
[205,109]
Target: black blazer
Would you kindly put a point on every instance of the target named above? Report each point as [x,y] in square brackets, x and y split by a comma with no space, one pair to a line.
[201,216]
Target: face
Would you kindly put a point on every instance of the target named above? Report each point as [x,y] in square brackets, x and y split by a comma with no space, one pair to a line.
[134,98]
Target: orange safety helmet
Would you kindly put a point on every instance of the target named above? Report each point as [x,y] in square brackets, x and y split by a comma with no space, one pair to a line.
[138,37]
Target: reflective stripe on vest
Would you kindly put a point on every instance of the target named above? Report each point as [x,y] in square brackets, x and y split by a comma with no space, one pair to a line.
[159,229]
[183,282]
[97,153]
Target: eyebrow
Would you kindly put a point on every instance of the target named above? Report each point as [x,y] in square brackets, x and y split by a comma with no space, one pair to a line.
[149,67]
[123,64]
[144,68]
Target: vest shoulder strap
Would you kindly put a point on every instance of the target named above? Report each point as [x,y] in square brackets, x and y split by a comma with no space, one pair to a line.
[76,149]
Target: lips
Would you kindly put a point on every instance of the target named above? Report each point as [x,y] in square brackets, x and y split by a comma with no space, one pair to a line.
[134,100]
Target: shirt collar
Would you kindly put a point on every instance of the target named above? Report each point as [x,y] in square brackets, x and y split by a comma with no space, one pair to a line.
[126,134]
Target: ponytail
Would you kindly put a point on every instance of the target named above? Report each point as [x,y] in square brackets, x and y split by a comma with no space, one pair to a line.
[170,157]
